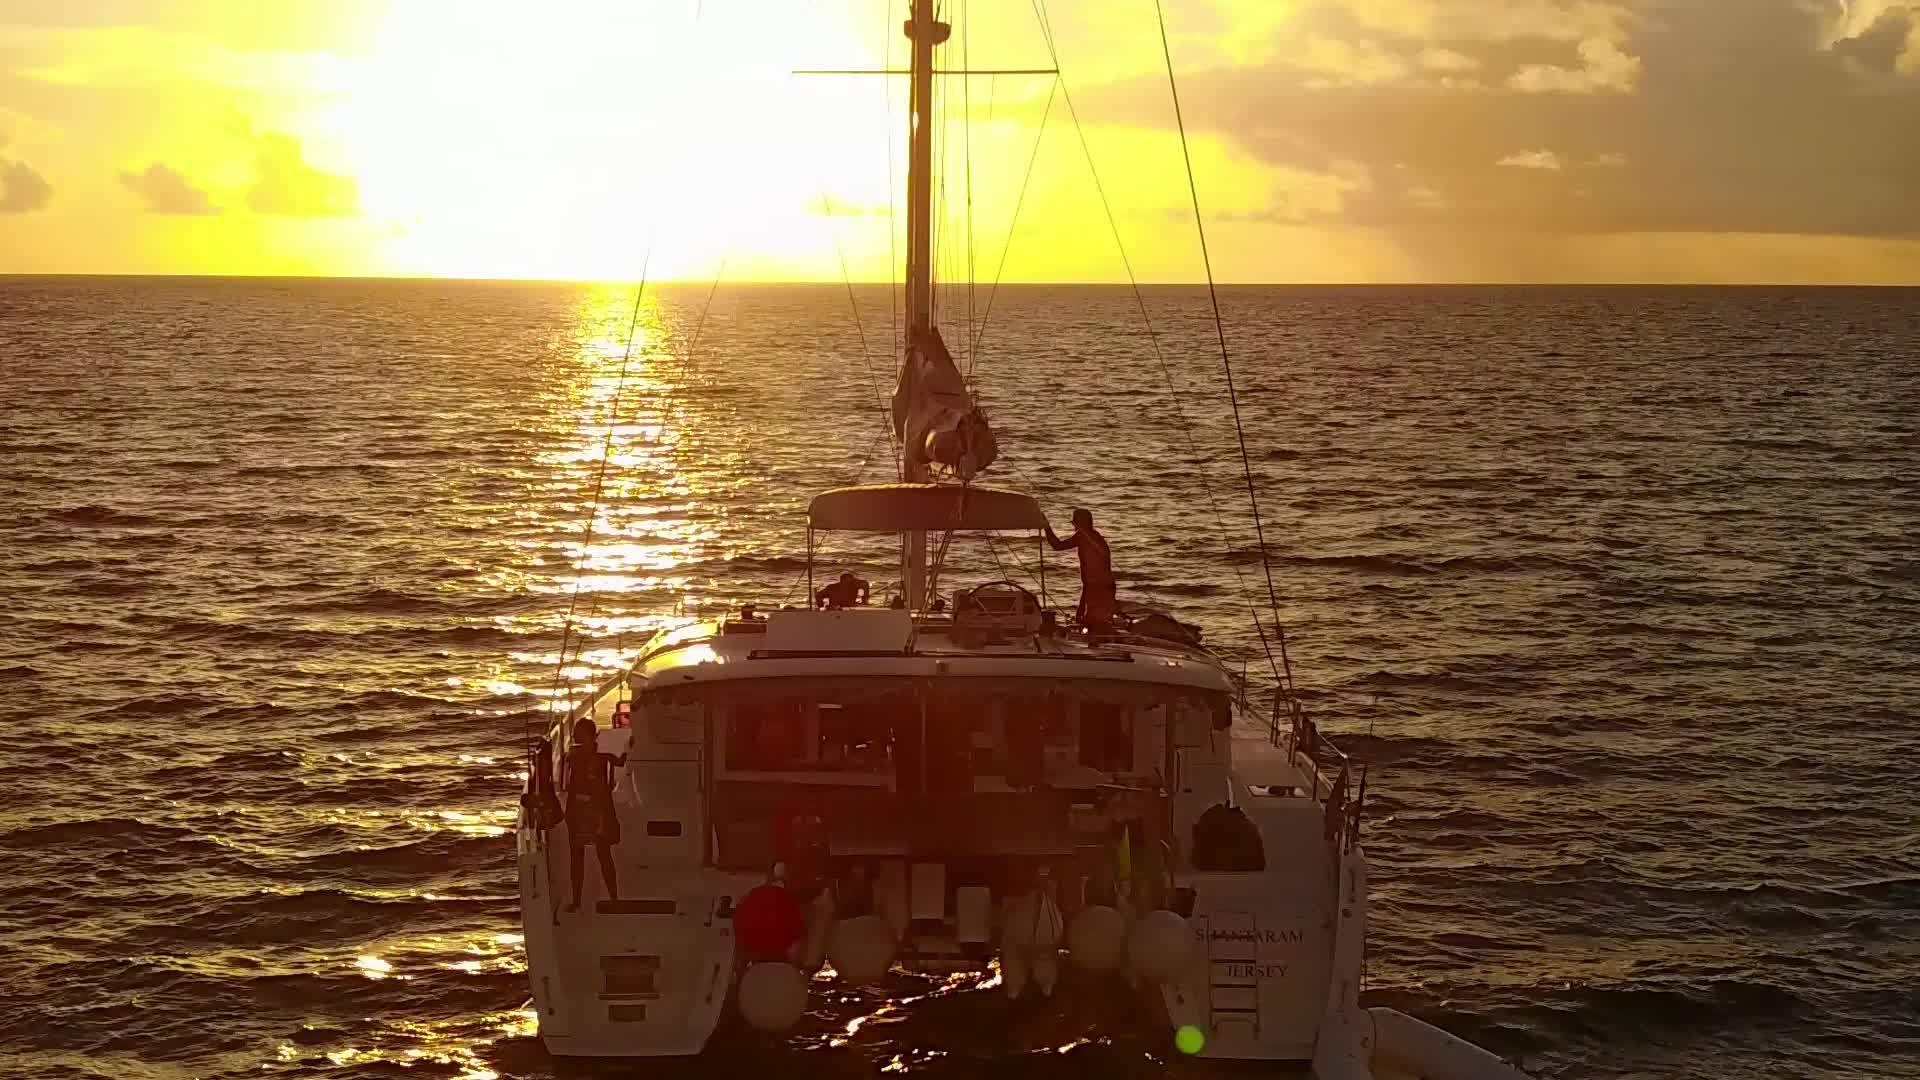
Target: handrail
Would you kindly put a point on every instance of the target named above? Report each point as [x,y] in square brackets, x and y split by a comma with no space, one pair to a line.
[1324,764]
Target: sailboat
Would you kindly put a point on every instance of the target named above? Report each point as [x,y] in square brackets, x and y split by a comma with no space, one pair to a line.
[962,779]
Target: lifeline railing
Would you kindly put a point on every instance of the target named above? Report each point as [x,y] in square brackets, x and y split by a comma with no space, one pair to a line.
[1333,779]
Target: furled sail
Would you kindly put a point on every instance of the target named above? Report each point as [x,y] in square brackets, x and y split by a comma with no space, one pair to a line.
[935,416]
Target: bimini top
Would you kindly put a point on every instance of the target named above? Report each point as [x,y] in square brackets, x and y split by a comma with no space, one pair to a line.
[924,507]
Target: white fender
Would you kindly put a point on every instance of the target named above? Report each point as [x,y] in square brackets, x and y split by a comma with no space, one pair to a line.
[861,948]
[1159,947]
[773,996]
[1096,938]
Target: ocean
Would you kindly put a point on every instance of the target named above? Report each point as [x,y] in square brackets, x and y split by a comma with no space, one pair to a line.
[1616,591]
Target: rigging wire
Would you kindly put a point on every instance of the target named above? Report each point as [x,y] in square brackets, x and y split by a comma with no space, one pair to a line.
[1013,224]
[936,211]
[1226,360]
[1153,339]
[893,251]
[853,303]
[966,120]
[600,477]
[674,396]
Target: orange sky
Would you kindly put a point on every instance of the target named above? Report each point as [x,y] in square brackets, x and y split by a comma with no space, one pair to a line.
[1335,140]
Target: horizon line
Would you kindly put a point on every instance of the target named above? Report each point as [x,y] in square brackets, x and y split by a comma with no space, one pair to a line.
[842,283]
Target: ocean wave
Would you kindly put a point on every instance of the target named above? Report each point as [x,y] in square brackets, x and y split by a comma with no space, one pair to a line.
[112,587]
[372,601]
[1476,564]
[1689,1006]
[56,566]
[165,705]
[1637,639]
[295,470]
[273,633]
[1387,750]
[303,917]
[1438,680]
[113,833]
[1179,588]
[440,854]
[93,514]
[391,699]
[1366,564]
[764,562]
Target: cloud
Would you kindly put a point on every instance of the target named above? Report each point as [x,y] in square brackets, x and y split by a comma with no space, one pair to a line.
[21,189]
[167,192]
[1604,66]
[1548,161]
[1336,62]
[1847,19]
[1753,125]
[1446,61]
[287,184]
[1882,37]
[1536,46]
[1489,20]
[1533,159]
[1300,196]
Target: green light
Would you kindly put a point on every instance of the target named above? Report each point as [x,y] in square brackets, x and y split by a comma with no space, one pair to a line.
[1189,1039]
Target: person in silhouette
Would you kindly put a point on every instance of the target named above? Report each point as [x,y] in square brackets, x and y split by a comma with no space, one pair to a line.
[588,780]
[848,592]
[1097,599]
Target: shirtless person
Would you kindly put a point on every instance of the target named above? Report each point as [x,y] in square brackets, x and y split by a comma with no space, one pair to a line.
[1097,602]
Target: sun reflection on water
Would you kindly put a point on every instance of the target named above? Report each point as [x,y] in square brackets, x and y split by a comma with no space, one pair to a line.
[431,1043]
[612,536]
[618,522]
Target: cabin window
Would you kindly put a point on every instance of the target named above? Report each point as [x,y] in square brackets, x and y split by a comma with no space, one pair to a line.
[768,736]
[1106,736]
[855,738]
[962,741]
[807,734]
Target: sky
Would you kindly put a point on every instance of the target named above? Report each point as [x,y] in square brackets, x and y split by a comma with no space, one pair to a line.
[1715,141]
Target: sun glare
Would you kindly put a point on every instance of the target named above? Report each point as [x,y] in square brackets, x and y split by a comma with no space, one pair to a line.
[563,140]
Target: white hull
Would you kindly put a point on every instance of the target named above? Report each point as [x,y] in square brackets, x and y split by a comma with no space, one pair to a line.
[1272,971]
[581,1013]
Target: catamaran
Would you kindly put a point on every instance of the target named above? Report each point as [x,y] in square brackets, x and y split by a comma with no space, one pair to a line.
[959,780]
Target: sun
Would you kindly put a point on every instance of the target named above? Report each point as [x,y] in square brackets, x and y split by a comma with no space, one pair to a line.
[569,139]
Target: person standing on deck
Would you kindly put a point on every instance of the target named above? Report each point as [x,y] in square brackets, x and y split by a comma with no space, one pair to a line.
[588,780]
[1097,600]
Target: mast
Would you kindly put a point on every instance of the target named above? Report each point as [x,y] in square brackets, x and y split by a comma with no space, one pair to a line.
[925,33]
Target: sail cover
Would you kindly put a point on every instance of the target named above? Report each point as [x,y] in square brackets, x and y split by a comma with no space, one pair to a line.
[935,416]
